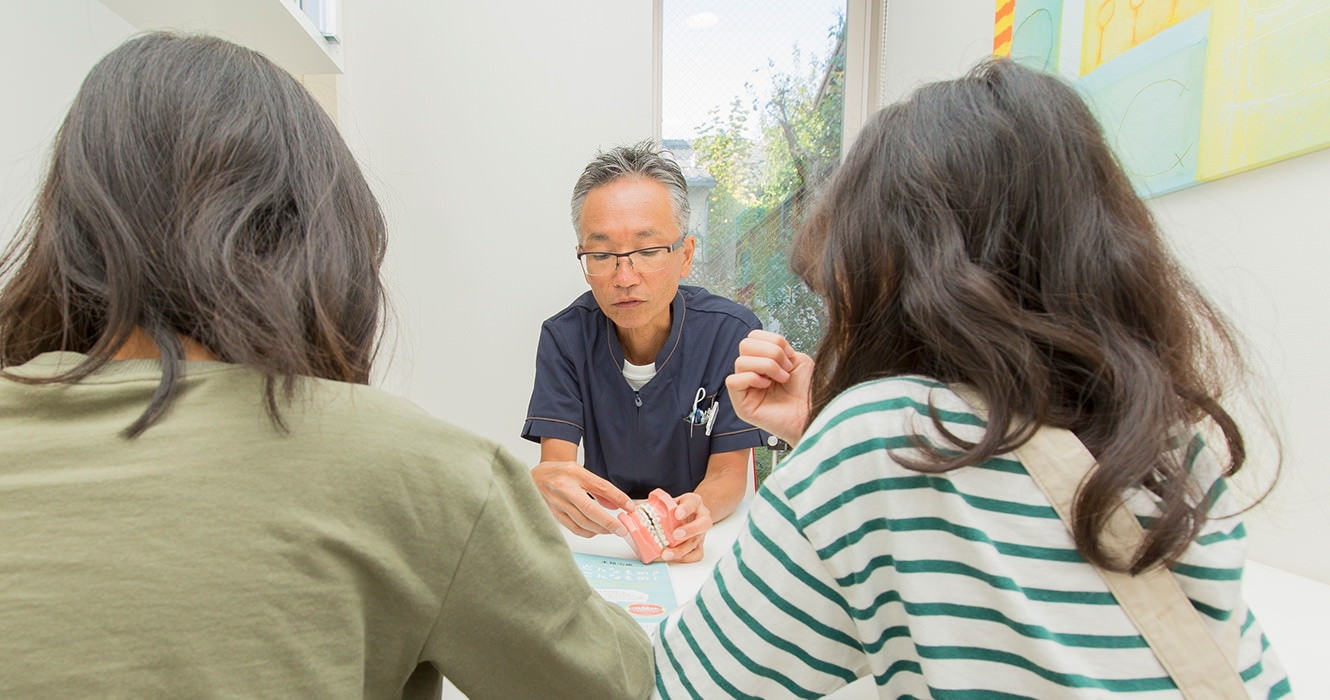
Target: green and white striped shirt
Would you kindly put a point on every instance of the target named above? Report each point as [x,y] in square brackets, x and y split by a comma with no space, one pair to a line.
[963,584]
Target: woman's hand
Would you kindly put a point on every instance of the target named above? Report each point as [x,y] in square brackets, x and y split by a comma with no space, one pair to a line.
[770,385]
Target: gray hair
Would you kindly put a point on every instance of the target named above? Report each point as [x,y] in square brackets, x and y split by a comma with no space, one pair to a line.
[641,160]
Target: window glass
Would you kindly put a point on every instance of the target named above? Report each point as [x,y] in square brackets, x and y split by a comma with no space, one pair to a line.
[323,13]
[752,107]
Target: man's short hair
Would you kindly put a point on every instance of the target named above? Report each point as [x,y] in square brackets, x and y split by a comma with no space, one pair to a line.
[643,160]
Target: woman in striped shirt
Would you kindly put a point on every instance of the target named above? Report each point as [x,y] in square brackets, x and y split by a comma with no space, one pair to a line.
[979,233]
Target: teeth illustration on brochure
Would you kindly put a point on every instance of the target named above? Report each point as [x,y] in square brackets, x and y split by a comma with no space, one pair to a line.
[644,590]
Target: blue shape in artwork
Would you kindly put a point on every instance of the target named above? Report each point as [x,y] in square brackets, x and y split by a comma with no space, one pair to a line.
[1148,100]
[1036,33]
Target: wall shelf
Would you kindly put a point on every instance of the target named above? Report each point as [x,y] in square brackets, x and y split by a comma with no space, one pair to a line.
[277,28]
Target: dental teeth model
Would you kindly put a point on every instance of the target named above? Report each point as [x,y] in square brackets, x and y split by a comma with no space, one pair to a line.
[651,525]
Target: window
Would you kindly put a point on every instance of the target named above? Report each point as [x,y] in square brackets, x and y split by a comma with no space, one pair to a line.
[752,106]
[323,13]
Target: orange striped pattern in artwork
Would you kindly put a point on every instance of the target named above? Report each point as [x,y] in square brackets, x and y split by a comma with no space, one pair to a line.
[1006,9]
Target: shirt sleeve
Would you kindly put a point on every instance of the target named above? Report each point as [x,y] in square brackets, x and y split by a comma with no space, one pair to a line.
[769,623]
[518,596]
[555,409]
[729,433]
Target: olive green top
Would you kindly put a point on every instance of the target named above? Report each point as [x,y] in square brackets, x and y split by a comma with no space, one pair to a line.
[359,553]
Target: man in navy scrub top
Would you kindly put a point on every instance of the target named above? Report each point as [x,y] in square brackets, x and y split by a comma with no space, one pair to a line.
[635,369]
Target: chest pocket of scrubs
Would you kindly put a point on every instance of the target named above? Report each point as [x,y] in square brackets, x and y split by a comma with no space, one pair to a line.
[701,415]
[690,434]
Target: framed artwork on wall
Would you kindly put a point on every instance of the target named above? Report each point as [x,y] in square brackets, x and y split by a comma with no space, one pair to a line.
[1187,90]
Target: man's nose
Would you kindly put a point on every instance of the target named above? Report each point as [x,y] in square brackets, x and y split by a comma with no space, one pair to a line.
[624,274]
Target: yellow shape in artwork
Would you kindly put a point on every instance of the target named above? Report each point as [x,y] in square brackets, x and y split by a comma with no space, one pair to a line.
[1267,86]
[1113,26]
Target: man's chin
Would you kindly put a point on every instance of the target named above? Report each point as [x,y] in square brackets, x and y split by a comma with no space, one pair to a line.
[625,320]
[631,317]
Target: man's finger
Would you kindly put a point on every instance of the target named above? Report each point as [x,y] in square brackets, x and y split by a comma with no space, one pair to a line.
[692,512]
[695,555]
[698,526]
[688,551]
[597,518]
[607,503]
[571,526]
[686,506]
[606,492]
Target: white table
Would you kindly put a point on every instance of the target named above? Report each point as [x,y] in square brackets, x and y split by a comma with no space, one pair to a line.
[686,578]
[1293,610]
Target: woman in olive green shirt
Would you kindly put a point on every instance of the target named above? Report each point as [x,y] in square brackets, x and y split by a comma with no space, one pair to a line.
[199,496]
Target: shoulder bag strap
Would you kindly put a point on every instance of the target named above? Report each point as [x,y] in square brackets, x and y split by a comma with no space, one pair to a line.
[1153,600]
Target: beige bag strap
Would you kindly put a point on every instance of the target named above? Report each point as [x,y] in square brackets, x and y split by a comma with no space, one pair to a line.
[1153,600]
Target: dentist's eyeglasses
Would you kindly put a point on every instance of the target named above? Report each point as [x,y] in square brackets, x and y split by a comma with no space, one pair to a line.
[599,264]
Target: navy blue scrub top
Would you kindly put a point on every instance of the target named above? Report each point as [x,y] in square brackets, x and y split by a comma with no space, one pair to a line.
[641,440]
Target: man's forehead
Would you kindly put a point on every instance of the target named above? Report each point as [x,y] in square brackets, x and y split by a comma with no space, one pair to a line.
[627,213]
[643,235]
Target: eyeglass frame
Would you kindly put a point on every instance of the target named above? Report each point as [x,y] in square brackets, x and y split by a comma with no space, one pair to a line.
[581,255]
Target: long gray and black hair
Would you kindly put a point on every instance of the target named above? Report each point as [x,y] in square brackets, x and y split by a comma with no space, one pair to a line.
[196,189]
[639,160]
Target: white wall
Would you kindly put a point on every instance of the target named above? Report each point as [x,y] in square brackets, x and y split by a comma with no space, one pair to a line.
[473,121]
[929,41]
[47,48]
[1257,241]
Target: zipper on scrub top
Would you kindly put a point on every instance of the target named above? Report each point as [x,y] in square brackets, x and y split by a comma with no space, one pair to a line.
[637,399]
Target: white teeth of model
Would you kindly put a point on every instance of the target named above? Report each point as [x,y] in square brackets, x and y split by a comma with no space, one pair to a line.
[648,518]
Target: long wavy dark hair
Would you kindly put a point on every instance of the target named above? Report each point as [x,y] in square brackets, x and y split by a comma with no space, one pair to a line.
[198,190]
[982,232]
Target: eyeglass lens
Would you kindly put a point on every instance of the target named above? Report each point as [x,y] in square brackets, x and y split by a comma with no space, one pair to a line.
[645,260]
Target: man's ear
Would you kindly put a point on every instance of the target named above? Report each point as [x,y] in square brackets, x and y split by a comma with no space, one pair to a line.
[689,243]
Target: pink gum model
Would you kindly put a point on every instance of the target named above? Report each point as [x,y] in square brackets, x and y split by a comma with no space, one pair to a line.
[651,525]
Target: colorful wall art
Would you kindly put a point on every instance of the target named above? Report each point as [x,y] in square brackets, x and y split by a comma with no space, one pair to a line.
[1187,90]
